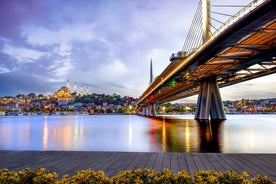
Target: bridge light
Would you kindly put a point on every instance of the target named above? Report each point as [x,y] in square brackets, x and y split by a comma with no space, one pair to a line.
[151,97]
[187,74]
[172,82]
[164,109]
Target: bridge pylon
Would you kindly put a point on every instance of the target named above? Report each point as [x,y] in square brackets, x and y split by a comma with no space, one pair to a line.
[209,101]
[149,110]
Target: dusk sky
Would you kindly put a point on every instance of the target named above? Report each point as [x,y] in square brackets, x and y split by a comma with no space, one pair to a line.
[105,45]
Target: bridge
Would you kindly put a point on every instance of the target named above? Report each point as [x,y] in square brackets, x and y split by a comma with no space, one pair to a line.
[243,48]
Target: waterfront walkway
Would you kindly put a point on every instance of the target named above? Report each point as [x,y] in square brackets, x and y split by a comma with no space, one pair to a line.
[68,162]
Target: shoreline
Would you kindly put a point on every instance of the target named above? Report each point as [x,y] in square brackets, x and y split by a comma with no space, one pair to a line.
[87,114]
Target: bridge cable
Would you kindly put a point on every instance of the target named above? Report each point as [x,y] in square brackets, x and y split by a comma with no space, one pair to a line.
[193,36]
[220,14]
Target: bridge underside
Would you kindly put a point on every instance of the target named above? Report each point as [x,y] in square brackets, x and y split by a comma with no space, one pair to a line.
[244,51]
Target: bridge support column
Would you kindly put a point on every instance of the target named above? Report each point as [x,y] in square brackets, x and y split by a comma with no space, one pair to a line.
[153,111]
[209,101]
[144,111]
[150,110]
[147,111]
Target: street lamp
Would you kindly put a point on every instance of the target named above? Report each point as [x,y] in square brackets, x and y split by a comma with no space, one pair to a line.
[164,109]
[130,108]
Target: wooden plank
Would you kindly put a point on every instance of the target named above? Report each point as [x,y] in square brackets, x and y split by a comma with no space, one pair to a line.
[128,163]
[151,161]
[135,161]
[256,167]
[182,163]
[105,160]
[174,163]
[191,165]
[158,162]
[115,167]
[166,162]
[199,164]
[240,159]
[229,161]
[143,160]
[220,159]
[267,160]
[212,162]
[111,163]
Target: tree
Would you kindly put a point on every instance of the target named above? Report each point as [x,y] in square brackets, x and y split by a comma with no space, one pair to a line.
[20,96]
[31,95]
[40,96]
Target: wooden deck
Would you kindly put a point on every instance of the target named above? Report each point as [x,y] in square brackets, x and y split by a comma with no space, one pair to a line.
[68,162]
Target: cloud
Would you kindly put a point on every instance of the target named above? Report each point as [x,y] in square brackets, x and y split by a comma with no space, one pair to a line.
[263,87]
[15,13]
[113,71]
[22,54]
[4,70]
[26,84]
[59,69]
[105,45]
[68,33]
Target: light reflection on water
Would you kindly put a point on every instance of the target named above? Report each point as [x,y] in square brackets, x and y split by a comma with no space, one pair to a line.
[238,134]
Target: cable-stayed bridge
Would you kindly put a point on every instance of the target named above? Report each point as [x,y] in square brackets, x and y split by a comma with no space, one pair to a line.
[243,48]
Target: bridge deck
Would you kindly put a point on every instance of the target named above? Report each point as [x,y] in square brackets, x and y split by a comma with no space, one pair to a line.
[244,50]
[68,162]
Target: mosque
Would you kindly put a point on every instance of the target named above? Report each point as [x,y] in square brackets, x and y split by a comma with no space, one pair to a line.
[64,94]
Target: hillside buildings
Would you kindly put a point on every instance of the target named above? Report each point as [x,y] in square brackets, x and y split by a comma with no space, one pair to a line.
[63,100]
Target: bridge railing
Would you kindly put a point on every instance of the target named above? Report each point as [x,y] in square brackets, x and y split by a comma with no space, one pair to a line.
[244,11]
[170,70]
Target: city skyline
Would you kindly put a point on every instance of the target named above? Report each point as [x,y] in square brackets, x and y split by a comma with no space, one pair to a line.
[103,45]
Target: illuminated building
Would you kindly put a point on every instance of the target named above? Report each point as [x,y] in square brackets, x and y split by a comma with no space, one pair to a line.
[75,87]
[63,94]
[81,90]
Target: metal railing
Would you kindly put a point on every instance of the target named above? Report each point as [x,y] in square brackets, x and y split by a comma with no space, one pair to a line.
[244,11]
[190,46]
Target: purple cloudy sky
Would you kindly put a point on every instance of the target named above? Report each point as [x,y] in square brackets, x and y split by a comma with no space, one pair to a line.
[103,45]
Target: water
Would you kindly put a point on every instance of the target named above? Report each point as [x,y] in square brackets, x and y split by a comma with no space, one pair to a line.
[238,134]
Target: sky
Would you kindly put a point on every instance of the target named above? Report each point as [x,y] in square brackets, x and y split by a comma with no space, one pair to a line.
[104,45]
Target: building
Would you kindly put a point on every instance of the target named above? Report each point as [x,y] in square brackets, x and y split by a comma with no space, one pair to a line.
[63,95]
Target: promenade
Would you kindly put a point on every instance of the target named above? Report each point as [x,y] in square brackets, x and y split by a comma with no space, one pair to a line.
[68,162]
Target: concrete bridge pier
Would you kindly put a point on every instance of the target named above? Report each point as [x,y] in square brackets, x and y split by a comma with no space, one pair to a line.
[209,101]
[149,110]
[153,111]
[144,111]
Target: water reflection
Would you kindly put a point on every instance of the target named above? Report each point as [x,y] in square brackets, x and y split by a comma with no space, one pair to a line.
[186,135]
[209,135]
[175,135]
[243,134]
[45,135]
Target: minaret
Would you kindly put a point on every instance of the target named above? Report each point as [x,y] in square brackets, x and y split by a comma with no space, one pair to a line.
[75,87]
[17,91]
[81,91]
[87,90]
[68,84]
[151,73]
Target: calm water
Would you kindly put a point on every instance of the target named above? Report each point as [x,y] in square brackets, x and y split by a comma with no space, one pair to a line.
[238,134]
